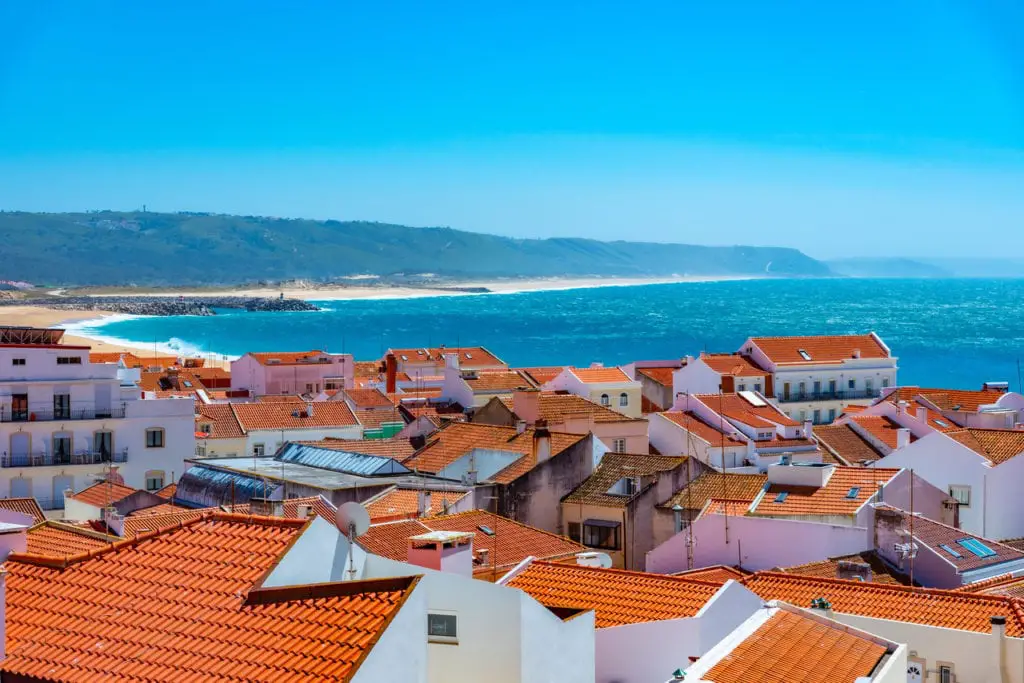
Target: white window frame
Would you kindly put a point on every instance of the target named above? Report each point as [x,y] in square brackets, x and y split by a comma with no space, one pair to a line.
[258,450]
[955,489]
[623,399]
[606,400]
[157,477]
[445,639]
[619,445]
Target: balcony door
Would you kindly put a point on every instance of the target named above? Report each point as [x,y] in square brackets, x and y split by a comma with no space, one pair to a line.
[21,445]
[102,400]
[19,407]
[103,445]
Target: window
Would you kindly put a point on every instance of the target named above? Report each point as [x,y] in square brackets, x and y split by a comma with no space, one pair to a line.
[951,551]
[257,450]
[741,387]
[831,414]
[853,492]
[817,417]
[200,451]
[69,360]
[601,534]
[155,437]
[804,354]
[851,384]
[781,498]
[61,406]
[619,445]
[942,423]
[575,528]
[803,415]
[869,384]
[154,480]
[605,401]
[757,387]
[62,449]
[803,388]
[442,628]
[962,495]
[17,361]
[885,382]
[946,674]
[623,400]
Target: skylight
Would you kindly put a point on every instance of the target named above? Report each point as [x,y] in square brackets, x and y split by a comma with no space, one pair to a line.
[853,492]
[804,354]
[486,529]
[977,547]
[951,551]
[469,356]
[942,423]
[781,498]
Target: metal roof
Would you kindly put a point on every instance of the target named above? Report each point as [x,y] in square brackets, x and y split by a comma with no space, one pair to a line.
[340,461]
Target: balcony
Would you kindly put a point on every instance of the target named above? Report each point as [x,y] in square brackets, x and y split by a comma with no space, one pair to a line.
[7,414]
[41,459]
[849,395]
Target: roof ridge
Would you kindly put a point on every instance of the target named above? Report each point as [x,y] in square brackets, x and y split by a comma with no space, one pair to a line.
[626,572]
[330,589]
[492,514]
[71,528]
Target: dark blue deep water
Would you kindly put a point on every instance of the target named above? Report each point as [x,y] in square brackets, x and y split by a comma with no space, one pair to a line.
[950,333]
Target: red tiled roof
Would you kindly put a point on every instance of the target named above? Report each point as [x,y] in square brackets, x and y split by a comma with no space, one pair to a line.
[1007,585]
[54,539]
[946,609]
[724,506]
[511,543]
[401,503]
[102,494]
[733,364]
[882,427]
[829,569]
[662,376]
[935,534]
[617,597]
[693,424]
[844,442]
[647,406]
[497,381]
[162,509]
[26,506]
[995,445]
[613,468]
[167,491]
[377,418]
[716,574]
[600,375]
[960,400]
[368,398]
[820,349]
[740,409]
[831,499]
[217,421]
[469,356]
[293,399]
[183,605]
[709,485]
[543,375]
[288,358]
[791,648]
[260,416]
[556,406]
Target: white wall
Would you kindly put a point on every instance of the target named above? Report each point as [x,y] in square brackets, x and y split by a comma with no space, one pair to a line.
[401,652]
[696,377]
[552,650]
[757,543]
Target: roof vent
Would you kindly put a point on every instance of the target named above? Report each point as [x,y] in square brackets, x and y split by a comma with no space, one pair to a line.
[856,353]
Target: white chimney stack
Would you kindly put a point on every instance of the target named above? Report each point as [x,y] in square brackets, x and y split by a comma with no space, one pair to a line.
[902,438]
[999,648]
[922,414]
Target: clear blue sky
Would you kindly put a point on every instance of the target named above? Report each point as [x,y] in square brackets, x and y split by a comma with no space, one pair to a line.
[840,128]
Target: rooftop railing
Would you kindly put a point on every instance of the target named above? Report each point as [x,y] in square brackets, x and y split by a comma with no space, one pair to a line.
[828,395]
[43,459]
[9,414]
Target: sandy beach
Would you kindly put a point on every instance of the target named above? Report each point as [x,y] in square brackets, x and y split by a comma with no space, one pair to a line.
[35,316]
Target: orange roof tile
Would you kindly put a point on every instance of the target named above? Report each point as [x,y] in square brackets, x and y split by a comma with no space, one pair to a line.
[600,375]
[217,421]
[791,648]
[401,503]
[161,509]
[617,597]
[367,398]
[260,416]
[54,539]
[736,407]
[882,427]
[497,381]
[724,506]
[183,604]
[662,376]
[26,506]
[820,349]
[130,359]
[167,491]
[708,433]
[881,572]
[733,364]
[102,494]
[946,609]
[543,375]
[288,358]
[965,400]
[556,406]
[293,399]
[845,443]
[995,445]
[831,499]
[366,369]
[613,468]
[469,356]
[716,574]
[377,418]
[1006,585]
[709,485]
[511,543]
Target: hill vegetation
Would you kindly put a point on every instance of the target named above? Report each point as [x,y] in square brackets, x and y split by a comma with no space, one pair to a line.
[147,249]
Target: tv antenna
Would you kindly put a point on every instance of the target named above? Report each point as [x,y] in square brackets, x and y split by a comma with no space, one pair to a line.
[353,519]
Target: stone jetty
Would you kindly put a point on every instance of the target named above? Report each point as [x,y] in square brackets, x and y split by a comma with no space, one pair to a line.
[163,305]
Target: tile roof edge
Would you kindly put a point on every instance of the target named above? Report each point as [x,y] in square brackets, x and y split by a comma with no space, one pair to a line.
[517,523]
[71,528]
[330,589]
[627,572]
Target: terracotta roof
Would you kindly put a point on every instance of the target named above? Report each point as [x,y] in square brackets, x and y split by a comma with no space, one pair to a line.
[965,400]
[469,356]
[853,409]
[260,416]
[617,597]
[401,503]
[220,420]
[733,364]
[820,349]
[1017,543]
[995,445]
[497,381]
[293,399]
[831,499]
[167,491]
[614,467]
[543,375]
[368,398]
[946,609]
[935,535]
[881,572]
[366,368]
[600,375]
[724,506]
[1007,585]
[54,539]
[662,376]
[719,573]
[740,409]
[458,438]
[130,360]
[183,604]
[26,506]
[396,448]
[556,406]
[843,441]
[882,427]
[696,426]
[511,543]
[647,406]
[791,648]
[102,494]
[161,509]
[287,357]
[377,418]
[717,485]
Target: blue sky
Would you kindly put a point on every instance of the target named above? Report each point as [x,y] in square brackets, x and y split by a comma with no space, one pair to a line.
[839,128]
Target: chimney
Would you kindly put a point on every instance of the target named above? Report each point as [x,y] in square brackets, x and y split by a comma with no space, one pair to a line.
[114,520]
[309,409]
[303,511]
[808,428]
[422,503]
[265,507]
[856,571]
[526,404]
[483,556]
[856,353]
[902,438]
[999,648]
[541,441]
[443,551]
[451,360]
[391,373]
[901,407]
[677,517]
[520,426]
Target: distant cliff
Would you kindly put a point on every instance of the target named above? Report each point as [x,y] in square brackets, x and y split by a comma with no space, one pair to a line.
[135,248]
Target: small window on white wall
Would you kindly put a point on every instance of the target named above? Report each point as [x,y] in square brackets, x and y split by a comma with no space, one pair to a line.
[155,438]
[442,628]
[619,445]
[154,480]
[962,495]
[605,400]
[623,399]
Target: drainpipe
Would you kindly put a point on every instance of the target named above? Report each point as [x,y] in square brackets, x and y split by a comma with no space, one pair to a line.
[999,648]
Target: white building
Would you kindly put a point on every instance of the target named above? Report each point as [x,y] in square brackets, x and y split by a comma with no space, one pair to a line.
[309,372]
[608,387]
[64,422]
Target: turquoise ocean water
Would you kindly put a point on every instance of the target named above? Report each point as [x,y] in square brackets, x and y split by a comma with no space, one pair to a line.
[950,333]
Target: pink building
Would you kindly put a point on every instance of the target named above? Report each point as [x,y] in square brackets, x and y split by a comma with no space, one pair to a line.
[308,372]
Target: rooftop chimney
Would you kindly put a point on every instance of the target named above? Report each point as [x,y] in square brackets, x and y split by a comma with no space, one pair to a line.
[265,507]
[922,414]
[541,441]
[451,360]
[856,571]
[309,409]
[443,551]
[303,511]
[520,426]
[390,373]
[526,404]
[856,353]
[422,503]
[999,648]
[902,438]
[808,427]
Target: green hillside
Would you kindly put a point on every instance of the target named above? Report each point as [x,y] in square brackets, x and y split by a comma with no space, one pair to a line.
[122,248]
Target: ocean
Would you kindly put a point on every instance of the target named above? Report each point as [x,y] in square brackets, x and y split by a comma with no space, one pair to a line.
[953,333]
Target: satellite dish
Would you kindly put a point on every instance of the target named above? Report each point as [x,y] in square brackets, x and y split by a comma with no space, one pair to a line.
[353,519]
[604,560]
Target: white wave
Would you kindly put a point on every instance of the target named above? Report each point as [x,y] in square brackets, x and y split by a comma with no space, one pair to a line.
[93,328]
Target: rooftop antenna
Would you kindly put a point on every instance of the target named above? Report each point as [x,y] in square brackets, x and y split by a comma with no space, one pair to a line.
[353,519]
[725,489]
[689,495]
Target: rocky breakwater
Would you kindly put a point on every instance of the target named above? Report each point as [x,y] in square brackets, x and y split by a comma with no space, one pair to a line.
[164,305]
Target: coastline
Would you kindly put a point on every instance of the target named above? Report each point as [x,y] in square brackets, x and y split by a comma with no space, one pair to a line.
[37,316]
